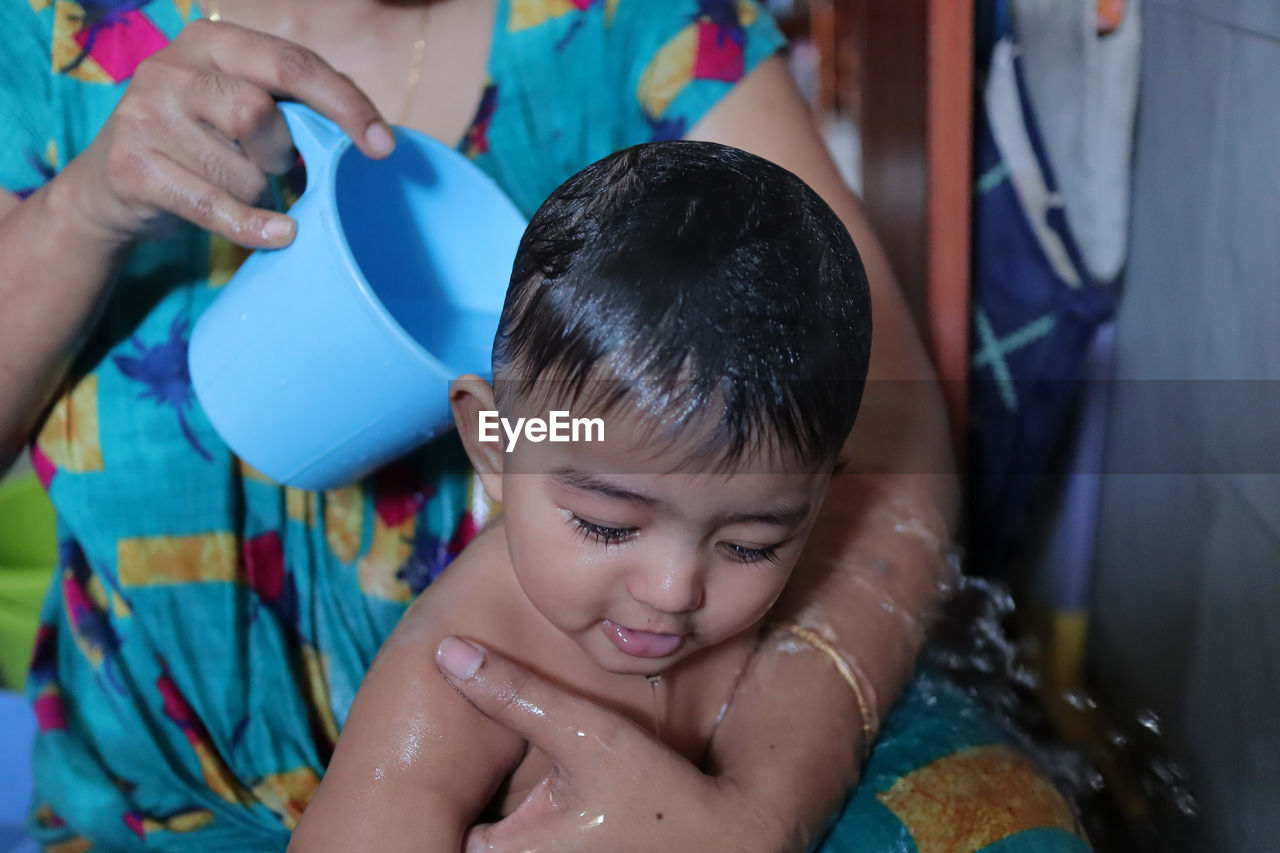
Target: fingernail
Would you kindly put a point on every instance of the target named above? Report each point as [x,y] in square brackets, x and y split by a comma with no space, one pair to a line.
[459,658]
[278,229]
[380,138]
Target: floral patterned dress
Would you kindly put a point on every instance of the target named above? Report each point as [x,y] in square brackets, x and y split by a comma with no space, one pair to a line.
[207,628]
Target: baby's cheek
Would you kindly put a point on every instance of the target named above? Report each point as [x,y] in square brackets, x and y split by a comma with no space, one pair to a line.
[745,601]
[531,531]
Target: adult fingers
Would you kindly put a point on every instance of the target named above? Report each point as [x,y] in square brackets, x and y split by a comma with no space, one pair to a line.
[209,155]
[582,738]
[155,161]
[289,70]
[245,117]
[674,809]
[541,822]
[612,787]
[212,207]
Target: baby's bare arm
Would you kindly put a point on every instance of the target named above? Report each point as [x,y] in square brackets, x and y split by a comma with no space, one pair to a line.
[416,763]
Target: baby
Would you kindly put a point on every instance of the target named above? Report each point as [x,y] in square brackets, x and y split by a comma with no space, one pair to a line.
[704,318]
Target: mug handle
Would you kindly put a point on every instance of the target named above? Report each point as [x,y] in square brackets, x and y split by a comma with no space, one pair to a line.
[316,137]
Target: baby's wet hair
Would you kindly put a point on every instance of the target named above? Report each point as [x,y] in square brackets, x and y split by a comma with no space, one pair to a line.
[681,278]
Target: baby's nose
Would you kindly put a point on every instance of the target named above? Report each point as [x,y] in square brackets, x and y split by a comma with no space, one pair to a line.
[676,586]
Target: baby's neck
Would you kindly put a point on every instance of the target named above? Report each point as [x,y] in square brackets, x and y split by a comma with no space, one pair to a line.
[681,705]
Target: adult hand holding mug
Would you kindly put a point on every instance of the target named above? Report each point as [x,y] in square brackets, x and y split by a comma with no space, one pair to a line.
[193,137]
[197,133]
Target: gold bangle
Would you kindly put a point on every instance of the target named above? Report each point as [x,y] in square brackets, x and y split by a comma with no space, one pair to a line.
[870,724]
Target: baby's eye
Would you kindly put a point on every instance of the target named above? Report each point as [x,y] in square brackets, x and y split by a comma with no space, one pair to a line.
[743,554]
[598,532]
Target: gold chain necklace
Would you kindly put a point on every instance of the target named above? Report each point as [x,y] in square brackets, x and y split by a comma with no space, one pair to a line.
[415,65]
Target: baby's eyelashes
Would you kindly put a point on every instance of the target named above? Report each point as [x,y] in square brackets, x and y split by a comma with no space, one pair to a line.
[743,554]
[601,533]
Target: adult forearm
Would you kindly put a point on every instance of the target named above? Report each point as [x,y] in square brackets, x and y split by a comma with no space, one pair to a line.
[54,276]
[880,587]
[877,563]
[874,570]
[790,744]
[876,567]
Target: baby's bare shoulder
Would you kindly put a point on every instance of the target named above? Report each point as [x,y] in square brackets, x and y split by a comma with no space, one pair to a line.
[404,702]
[472,598]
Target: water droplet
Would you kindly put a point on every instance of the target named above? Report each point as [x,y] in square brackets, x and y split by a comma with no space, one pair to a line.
[1185,803]
[1079,700]
[654,682]
[1148,720]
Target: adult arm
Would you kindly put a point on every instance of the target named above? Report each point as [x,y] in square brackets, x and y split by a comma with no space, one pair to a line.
[193,137]
[50,296]
[871,572]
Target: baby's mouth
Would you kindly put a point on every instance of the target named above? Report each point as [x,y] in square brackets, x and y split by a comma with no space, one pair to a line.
[642,644]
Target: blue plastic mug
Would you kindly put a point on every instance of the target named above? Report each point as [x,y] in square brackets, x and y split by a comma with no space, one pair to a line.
[324,360]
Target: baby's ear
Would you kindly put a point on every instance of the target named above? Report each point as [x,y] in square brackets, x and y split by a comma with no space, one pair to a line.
[476,416]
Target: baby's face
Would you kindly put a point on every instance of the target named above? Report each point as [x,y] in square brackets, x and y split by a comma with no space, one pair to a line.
[641,568]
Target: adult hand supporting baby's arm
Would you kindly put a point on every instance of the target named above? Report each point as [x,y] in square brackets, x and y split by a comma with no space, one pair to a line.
[613,787]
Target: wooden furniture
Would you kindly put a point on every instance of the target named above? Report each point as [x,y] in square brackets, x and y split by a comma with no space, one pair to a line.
[903,69]
[917,131]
